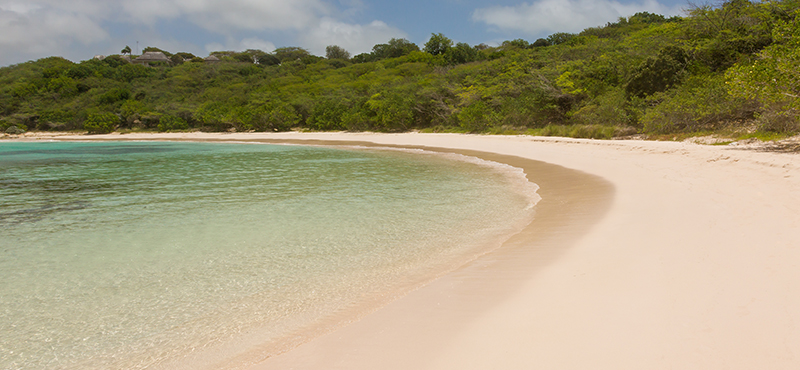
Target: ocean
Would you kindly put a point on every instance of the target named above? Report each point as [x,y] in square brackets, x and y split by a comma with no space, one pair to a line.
[140,255]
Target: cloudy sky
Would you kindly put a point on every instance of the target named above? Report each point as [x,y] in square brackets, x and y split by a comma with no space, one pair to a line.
[80,29]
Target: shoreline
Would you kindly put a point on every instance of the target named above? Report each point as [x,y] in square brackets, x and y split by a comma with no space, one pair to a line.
[689,260]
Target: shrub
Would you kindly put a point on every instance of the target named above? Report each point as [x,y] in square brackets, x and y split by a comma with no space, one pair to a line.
[778,121]
[477,117]
[659,73]
[114,95]
[701,104]
[13,129]
[55,119]
[169,123]
[100,123]
[608,109]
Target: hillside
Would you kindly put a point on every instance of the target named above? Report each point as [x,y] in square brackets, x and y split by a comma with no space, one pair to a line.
[730,69]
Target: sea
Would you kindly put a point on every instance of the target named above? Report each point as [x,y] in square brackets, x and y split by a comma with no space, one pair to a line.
[148,255]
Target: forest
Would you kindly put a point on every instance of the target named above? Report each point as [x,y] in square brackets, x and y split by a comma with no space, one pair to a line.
[731,69]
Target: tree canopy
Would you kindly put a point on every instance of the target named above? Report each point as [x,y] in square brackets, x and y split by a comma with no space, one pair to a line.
[438,44]
[726,68]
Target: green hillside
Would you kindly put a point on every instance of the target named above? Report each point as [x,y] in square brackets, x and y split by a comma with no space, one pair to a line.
[731,69]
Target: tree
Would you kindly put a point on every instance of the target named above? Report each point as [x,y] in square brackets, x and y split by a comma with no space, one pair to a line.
[461,53]
[774,78]
[243,57]
[518,43]
[438,44]
[560,38]
[540,43]
[186,56]
[395,48]
[101,123]
[126,50]
[336,52]
[400,47]
[177,60]
[290,53]
[266,59]
[169,122]
[659,73]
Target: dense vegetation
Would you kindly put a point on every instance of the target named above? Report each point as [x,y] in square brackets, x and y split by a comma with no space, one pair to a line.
[728,68]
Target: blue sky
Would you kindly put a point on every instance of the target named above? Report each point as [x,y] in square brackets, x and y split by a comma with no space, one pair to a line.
[80,29]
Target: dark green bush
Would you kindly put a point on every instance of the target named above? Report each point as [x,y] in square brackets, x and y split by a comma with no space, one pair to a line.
[168,123]
[101,123]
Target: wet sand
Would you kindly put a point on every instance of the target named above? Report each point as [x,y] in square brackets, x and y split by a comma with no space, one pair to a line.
[642,255]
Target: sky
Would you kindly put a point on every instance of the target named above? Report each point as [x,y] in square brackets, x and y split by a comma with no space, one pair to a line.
[80,29]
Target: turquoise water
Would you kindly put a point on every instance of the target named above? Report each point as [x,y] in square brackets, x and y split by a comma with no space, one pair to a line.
[135,254]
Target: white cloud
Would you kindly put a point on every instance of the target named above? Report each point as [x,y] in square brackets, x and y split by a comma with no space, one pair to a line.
[37,30]
[79,29]
[355,38]
[548,16]
[223,16]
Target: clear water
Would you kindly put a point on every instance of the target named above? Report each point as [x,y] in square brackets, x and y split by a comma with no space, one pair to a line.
[131,254]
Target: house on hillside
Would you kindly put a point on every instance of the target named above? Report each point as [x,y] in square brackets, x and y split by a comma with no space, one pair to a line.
[212,59]
[151,56]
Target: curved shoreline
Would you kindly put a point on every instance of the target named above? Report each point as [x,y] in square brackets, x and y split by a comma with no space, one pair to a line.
[692,264]
[571,202]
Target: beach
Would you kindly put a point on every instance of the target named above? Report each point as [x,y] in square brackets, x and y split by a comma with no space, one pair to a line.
[642,255]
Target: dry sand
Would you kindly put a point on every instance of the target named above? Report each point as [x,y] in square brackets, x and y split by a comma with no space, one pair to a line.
[643,255]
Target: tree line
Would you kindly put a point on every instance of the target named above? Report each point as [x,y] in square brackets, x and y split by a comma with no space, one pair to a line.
[730,68]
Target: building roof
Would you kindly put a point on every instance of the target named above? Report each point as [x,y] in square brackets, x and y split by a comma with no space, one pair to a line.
[151,56]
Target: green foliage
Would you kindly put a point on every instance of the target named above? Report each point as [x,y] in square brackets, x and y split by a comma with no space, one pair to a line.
[461,53]
[726,67]
[559,38]
[336,52]
[607,109]
[170,123]
[395,48]
[700,104]
[114,95]
[774,78]
[11,128]
[278,116]
[540,43]
[477,117]
[115,61]
[518,43]
[129,72]
[594,131]
[56,119]
[658,73]
[438,44]
[100,123]
[723,34]
[328,114]
[390,110]
[291,53]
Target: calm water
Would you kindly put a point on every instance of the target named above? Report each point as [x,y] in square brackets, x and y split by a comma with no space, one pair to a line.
[131,255]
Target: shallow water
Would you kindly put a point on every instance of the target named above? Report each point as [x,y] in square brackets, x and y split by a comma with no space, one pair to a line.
[133,254]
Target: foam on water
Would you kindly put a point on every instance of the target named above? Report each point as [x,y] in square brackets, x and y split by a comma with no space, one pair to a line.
[134,255]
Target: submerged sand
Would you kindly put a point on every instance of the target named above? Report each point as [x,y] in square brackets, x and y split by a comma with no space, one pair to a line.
[643,255]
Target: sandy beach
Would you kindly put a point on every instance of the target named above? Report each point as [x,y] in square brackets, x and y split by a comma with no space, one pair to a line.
[642,255]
